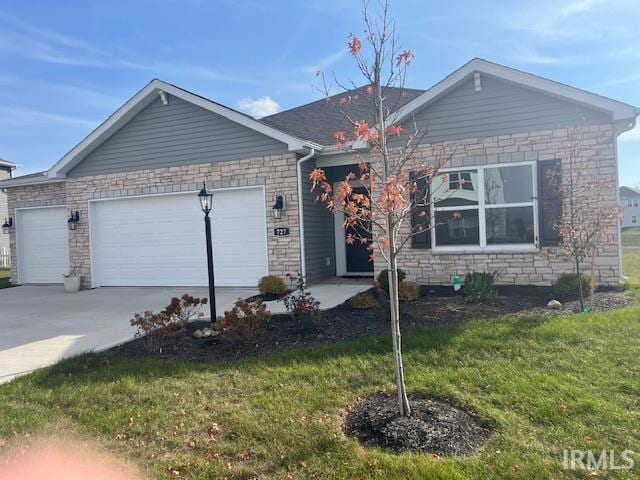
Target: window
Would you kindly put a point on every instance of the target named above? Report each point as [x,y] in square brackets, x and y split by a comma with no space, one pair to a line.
[487,206]
[629,203]
[635,202]
[634,219]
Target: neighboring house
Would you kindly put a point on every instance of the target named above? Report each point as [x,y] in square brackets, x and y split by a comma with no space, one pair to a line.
[630,202]
[6,169]
[134,182]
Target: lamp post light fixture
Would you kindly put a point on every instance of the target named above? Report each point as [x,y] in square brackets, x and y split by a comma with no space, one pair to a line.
[6,226]
[279,206]
[73,220]
[206,203]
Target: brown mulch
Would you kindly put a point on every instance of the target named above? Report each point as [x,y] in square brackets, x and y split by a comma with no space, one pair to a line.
[436,425]
[437,306]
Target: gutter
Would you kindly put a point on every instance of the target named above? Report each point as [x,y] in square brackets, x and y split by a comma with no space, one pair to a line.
[303,260]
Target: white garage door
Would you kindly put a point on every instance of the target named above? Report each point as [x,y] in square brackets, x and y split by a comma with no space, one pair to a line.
[43,244]
[159,240]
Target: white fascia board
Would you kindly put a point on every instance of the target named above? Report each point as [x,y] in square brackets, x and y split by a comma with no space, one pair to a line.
[35,180]
[618,110]
[145,97]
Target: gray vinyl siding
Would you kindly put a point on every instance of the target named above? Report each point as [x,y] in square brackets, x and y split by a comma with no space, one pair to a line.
[501,108]
[179,133]
[318,231]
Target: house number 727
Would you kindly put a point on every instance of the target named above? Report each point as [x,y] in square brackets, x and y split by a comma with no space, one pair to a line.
[281,232]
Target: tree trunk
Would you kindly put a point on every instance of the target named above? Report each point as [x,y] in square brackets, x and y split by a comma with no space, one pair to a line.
[579,280]
[394,304]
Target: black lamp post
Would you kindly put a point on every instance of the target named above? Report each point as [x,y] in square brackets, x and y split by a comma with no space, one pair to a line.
[206,203]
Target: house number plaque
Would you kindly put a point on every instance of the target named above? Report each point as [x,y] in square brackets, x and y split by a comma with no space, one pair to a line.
[281,232]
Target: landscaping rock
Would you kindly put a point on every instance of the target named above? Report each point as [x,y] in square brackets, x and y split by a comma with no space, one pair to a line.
[554,305]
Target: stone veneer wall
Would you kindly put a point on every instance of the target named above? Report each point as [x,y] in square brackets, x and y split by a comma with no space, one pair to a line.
[277,173]
[538,268]
[45,195]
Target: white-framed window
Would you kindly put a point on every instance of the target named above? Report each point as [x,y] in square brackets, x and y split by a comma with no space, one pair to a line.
[634,219]
[635,202]
[485,207]
[629,203]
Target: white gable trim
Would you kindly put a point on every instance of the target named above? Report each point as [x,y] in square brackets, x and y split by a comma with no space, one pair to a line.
[142,99]
[618,110]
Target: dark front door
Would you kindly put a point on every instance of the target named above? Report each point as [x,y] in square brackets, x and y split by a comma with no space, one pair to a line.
[358,253]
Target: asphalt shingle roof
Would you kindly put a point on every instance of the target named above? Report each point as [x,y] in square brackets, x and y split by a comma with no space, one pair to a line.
[318,121]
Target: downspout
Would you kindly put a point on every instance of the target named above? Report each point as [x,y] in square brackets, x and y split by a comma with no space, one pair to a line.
[303,260]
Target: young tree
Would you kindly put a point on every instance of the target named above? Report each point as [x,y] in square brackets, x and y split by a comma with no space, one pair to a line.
[398,177]
[587,219]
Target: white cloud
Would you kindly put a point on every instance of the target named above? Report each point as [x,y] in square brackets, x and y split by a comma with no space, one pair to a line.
[325,62]
[631,135]
[260,107]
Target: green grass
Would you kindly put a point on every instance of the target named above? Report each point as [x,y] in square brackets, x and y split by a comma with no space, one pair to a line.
[5,275]
[631,237]
[545,385]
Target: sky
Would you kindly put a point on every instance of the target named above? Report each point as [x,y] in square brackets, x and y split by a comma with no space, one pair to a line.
[65,66]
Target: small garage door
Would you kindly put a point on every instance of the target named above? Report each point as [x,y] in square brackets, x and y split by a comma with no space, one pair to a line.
[159,240]
[43,244]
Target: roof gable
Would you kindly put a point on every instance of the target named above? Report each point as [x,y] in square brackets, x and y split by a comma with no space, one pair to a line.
[159,89]
[619,111]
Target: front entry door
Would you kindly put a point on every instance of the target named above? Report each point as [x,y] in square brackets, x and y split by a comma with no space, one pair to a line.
[357,255]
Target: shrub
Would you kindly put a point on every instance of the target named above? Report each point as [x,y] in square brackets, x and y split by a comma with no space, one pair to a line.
[383,279]
[409,291]
[566,287]
[301,305]
[155,328]
[363,301]
[479,287]
[244,321]
[271,285]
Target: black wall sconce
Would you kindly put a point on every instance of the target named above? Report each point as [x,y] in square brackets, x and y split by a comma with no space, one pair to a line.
[279,206]
[74,218]
[6,226]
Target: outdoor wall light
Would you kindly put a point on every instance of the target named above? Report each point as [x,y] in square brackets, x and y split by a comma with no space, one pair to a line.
[6,226]
[279,206]
[74,218]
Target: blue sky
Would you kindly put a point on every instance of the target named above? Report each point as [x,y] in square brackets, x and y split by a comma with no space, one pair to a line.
[65,66]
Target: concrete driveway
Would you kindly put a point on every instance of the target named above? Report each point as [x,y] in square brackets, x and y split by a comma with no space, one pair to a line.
[40,325]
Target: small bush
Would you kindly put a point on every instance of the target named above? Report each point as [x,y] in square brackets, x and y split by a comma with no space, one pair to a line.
[566,287]
[271,285]
[244,321]
[155,328]
[409,291]
[383,279]
[479,287]
[363,301]
[301,305]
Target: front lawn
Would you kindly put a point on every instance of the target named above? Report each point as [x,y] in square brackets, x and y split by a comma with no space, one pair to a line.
[5,276]
[631,237]
[544,384]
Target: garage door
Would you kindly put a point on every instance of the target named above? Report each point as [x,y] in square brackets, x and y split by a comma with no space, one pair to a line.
[159,240]
[43,244]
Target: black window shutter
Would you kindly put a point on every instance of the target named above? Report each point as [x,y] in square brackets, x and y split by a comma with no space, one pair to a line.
[420,214]
[549,201]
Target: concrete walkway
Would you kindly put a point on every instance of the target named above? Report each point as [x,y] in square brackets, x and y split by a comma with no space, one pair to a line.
[40,325]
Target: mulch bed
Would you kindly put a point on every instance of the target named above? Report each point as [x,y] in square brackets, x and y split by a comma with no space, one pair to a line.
[438,306]
[436,425]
